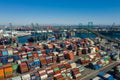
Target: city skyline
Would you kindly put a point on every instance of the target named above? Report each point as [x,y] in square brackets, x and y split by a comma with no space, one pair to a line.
[60,12]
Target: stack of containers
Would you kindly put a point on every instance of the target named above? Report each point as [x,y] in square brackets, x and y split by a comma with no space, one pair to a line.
[117,72]
[59,77]
[26,77]
[43,61]
[16,57]
[10,51]
[23,56]
[56,69]
[49,71]
[4,60]
[69,75]
[4,52]
[94,65]
[29,55]
[30,65]
[73,64]
[15,51]
[39,53]
[79,52]
[43,74]
[23,67]
[16,78]
[71,55]
[1,54]
[75,73]
[54,58]
[1,47]
[49,60]
[85,51]
[100,63]
[97,78]
[84,60]
[14,67]
[35,55]
[98,56]
[92,57]
[67,66]
[105,76]
[114,56]
[1,73]
[10,59]
[93,50]
[27,49]
[117,69]
[34,76]
[62,68]
[37,63]
[81,68]
[8,70]
[60,57]
[103,53]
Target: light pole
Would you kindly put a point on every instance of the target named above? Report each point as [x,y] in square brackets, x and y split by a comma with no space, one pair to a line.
[118,51]
[10,24]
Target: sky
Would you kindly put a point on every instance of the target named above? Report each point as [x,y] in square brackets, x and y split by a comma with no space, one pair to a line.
[59,11]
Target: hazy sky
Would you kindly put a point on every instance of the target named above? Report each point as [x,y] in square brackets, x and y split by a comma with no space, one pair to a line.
[59,11]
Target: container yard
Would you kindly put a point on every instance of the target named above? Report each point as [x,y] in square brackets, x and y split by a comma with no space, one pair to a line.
[59,40]
[59,59]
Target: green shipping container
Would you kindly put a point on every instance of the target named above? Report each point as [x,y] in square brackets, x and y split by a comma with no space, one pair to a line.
[14,66]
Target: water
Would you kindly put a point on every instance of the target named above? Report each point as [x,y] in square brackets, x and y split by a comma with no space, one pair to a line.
[83,35]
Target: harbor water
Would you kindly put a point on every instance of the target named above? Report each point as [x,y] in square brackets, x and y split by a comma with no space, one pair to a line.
[83,35]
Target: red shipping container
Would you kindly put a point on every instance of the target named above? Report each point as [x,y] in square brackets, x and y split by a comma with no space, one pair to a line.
[43,61]
[23,67]
[71,55]
[35,55]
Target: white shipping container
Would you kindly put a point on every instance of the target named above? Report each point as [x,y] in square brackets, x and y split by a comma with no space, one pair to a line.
[96,78]
[26,77]
[44,76]
[10,52]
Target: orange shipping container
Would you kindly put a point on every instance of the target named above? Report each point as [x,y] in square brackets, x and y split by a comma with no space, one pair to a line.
[8,68]
[1,73]
[96,48]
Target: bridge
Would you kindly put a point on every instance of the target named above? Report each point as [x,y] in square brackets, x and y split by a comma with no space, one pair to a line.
[102,36]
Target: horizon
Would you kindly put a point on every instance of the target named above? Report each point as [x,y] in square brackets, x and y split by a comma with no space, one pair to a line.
[60,12]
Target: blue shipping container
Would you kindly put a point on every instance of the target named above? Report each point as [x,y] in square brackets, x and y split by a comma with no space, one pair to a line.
[4,53]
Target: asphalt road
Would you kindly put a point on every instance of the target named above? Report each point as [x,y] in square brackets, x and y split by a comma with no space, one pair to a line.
[105,69]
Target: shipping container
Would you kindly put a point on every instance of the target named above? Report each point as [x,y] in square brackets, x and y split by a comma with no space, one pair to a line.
[4,52]
[23,67]
[4,60]
[30,65]
[10,51]
[37,63]
[10,59]
[1,73]
[14,67]
[34,76]
[8,70]
[97,78]
[16,57]
[105,76]
[43,61]
[16,78]
[26,77]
